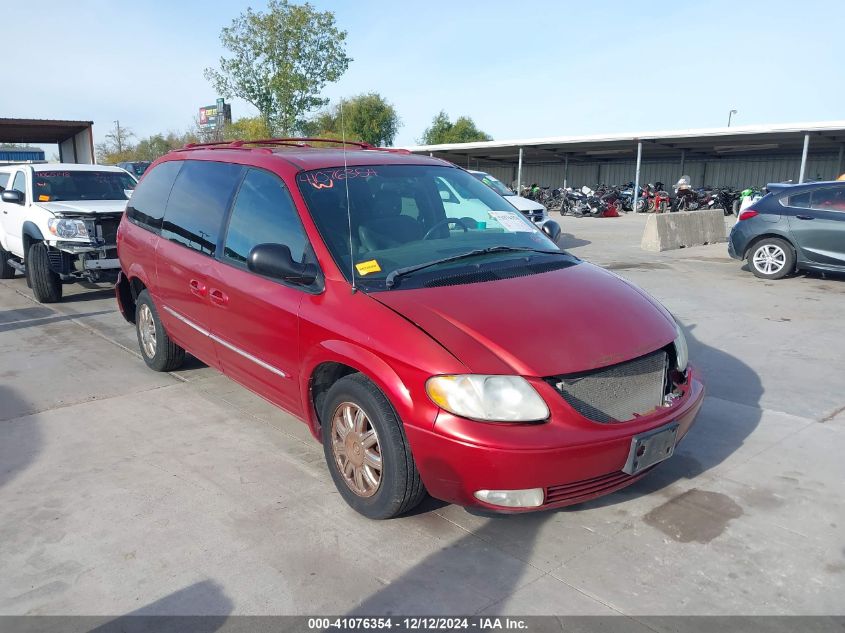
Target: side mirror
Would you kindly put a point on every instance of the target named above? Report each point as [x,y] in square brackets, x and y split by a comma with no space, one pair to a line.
[552,230]
[275,260]
[13,196]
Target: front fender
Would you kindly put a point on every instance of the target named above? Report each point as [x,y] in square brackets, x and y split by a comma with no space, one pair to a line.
[405,392]
[31,230]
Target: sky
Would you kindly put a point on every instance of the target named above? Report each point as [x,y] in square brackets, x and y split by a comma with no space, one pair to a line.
[521,69]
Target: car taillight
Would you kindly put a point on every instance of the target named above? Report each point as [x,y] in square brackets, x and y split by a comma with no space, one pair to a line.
[748,214]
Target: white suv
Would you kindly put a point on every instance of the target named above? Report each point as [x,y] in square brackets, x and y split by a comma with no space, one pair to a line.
[58,224]
[531,209]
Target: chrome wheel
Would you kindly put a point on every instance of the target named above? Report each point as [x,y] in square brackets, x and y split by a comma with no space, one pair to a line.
[769,259]
[147,330]
[356,449]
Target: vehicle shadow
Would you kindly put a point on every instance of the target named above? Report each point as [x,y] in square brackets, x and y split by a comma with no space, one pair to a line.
[567,241]
[465,575]
[202,607]
[20,439]
[92,293]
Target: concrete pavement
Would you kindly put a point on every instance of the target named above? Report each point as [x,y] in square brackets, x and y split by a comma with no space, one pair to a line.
[122,490]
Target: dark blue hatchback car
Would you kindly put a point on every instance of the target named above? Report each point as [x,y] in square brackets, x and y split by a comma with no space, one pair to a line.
[794,227]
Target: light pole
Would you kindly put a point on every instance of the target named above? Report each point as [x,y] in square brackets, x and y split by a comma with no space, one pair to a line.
[119,143]
[730,114]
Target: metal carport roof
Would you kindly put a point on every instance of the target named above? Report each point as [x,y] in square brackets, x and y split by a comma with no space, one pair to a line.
[40,130]
[747,140]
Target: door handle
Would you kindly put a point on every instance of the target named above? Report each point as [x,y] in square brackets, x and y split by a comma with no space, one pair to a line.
[805,217]
[219,297]
[198,288]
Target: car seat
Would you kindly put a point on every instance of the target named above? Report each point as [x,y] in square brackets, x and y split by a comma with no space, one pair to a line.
[387,227]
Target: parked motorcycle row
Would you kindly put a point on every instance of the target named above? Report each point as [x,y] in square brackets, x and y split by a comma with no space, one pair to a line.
[609,201]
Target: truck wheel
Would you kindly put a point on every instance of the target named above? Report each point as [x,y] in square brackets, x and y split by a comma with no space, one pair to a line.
[6,271]
[159,352]
[46,285]
[367,451]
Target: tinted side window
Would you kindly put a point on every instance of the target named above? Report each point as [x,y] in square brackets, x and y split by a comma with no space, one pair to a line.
[801,201]
[832,199]
[4,180]
[20,182]
[198,204]
[263,213]
[146,206]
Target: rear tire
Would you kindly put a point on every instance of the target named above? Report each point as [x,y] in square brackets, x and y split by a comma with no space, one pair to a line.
[351,462]
[771,258]
[6,271]
[159,352]
[46,285]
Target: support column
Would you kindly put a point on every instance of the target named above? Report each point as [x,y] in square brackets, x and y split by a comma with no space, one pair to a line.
[683,160]
[839,162]
[804,158]
[637,175]
[519,174]
[566,167]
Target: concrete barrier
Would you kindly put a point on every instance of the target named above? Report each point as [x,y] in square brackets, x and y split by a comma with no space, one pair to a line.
[667,231]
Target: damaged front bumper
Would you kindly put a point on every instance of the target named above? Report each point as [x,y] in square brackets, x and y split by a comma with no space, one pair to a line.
[93,259]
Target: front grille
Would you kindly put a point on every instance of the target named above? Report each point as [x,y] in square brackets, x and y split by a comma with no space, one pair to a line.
[617,393]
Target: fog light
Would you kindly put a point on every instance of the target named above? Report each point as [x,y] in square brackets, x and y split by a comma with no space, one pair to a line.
[529,498]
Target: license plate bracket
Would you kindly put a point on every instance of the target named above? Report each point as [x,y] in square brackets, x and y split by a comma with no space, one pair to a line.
[650,448]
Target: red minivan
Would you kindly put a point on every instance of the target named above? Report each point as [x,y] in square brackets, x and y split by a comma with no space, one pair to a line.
[428,334]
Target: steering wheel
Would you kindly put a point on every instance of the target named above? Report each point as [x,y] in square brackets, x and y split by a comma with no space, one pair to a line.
[445,222]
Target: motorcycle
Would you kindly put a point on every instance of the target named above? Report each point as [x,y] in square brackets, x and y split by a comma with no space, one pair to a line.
[686,198]
[724,198]
[747,197]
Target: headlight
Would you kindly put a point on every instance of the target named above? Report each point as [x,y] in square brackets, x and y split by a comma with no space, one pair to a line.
[490,398]
[681,350]
[67,229]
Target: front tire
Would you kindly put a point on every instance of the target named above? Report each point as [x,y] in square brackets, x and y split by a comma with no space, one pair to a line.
[46,285]
[159,352]
[367,451]
[771,258]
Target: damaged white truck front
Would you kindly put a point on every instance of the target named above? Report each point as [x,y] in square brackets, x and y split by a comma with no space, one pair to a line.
[58,224]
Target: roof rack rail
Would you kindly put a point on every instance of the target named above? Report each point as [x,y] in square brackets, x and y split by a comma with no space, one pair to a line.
[302,142]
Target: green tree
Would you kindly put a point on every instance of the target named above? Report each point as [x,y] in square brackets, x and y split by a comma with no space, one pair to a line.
[366,117]
[158,145]
[280,61]
[247,129]
[442,130]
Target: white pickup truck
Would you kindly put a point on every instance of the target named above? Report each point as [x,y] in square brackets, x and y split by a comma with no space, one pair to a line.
[58,224]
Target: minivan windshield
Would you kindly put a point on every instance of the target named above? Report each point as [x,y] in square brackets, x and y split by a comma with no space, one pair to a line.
[410,218]
[60,184]
[496,185]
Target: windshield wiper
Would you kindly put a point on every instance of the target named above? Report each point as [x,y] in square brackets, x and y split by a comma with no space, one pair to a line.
[390,281]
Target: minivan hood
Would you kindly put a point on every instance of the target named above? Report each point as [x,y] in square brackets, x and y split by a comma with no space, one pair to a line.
[524,204]
[560,322]
[72,207]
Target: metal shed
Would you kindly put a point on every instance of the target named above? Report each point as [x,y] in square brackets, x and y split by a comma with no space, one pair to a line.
[74,138]
[739,156]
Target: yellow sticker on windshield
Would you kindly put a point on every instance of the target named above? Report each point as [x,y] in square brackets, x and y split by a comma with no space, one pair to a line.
[365,268]
[43,198]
